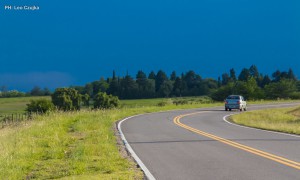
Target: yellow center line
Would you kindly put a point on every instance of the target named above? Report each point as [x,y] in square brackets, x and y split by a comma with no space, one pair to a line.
[264,154]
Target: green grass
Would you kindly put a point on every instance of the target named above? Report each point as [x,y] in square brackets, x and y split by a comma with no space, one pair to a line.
[165,101]
[63,145]
[283,120]
[15,105]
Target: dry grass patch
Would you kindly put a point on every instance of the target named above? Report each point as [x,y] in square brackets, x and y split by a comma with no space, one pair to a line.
[283,119]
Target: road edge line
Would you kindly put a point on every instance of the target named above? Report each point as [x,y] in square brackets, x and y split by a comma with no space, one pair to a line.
[148,174]
[247,127]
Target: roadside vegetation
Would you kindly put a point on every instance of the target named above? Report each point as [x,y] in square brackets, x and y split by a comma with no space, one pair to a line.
[283,120]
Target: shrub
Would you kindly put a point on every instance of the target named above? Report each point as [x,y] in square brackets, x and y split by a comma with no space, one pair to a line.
[40,106]
[180,102]
[163,103]
[66,99]
[295,95]
[104,101]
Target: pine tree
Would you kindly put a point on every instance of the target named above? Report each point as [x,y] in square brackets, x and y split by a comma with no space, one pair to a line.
[232,75]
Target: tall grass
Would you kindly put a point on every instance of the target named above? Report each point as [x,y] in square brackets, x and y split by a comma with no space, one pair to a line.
[283,120]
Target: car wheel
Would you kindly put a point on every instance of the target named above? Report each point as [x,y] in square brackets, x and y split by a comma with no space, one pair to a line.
[229,109]
[226,109]
[245,109]
[241,109]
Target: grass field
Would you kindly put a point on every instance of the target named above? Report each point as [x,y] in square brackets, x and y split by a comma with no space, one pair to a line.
[18,105]
[75,145]
[282,120]
[15,105]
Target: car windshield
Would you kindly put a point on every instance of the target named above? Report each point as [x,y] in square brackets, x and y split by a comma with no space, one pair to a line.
[233,97]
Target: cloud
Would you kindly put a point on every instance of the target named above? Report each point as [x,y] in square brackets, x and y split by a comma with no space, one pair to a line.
[26,81]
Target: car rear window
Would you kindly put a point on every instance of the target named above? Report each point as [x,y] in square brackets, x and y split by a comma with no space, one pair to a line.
[233,97]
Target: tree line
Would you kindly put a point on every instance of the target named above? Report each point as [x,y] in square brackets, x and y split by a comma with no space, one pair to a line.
[36,91]
[249,82]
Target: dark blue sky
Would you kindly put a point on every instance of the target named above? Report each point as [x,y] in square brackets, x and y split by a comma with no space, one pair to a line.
[71,42]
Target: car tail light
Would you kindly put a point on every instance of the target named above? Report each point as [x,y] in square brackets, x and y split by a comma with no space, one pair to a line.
[239,102]
[226,102]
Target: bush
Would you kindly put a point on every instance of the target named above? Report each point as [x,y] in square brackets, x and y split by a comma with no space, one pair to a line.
[295,95]
[40,106]
[66,99]
[161,104]
[180,102]
[104,101]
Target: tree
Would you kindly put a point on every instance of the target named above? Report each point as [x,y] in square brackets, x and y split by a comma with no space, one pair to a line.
[276,76]
[103,85]
[219,81]
[291,75]
[190,79]
[12,93]
[166,88]
[88,89]
[244,75]
[149,91]
[193,82]
[249,89]
[253,71]
[221,93]
[209,85]
[232,75]
[266,80]
[86,99]
[179,87]
[128,88]
[40,106]
[160,78]
[152,75]
[281,89]
[141,80]
[173,76]
[36,91]
[47,91]
[66,99]
[104,101]
[225,79]
[113,87]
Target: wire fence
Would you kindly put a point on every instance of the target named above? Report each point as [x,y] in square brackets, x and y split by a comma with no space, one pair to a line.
[15,119]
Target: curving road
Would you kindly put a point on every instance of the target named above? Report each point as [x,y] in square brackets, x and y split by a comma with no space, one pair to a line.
[199,144]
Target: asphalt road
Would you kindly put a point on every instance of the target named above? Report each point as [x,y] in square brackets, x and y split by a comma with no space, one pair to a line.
[203,146]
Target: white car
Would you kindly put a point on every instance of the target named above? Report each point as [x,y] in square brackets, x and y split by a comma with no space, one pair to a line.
[235,102]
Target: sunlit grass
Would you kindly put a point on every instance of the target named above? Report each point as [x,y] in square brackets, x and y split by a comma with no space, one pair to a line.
[16,105]
[62,145]
[283,119]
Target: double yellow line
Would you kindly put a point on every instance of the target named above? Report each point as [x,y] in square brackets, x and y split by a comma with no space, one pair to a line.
[273,157]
